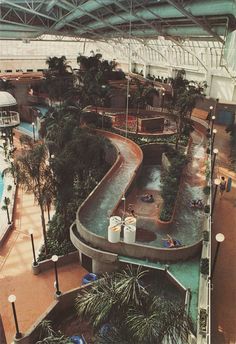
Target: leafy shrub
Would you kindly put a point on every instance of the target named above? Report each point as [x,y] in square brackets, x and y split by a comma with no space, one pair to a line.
[207,209]
[203,320]
[204,266]
[170,182]
[207,190]
[205,235]
[9,187]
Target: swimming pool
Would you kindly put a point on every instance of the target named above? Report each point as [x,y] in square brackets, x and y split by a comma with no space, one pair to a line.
[27,128]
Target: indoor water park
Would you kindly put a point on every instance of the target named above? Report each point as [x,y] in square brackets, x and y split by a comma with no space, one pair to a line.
[117,172]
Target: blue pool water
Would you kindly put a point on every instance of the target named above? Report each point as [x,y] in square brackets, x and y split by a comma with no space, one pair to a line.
[42,110]
[27,129]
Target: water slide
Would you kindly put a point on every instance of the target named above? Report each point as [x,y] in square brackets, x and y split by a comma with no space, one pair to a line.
[95,216]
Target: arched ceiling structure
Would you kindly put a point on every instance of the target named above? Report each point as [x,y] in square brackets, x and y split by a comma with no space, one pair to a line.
[103,20]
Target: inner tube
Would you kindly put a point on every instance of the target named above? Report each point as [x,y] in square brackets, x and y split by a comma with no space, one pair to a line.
[89,278]
[167,244]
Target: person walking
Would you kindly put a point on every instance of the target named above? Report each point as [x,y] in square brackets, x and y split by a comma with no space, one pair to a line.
[222,186]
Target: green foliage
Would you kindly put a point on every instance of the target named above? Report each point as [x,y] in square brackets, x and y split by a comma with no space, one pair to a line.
[9,187]
[170,182]
[232,131]
[204,266]
[205,235]
[207,190]
[49,336]
[203,319]
[134,315]
[207,209]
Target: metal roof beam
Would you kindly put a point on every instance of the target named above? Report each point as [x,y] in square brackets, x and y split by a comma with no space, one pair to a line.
[28,10]
[182,10]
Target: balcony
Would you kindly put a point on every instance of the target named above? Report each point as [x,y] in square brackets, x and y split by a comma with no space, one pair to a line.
[9,119]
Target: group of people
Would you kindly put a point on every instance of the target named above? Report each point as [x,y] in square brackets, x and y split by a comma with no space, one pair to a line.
[171,242]
[196,203]
[147,198]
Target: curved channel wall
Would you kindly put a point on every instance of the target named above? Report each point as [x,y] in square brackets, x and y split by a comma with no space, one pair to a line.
[99,249]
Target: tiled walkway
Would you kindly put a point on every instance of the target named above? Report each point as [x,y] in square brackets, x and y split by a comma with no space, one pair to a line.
[34,293]
[224,278]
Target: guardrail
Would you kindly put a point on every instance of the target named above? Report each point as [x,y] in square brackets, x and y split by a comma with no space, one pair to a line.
[9,119]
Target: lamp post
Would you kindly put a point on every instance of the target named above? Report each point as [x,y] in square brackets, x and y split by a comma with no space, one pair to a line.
[162,100]
[209,114]
[219,238]
[215,152]
[55,259]
[33,248]
[212,122]
[214,132]
[123,199]
[7,201]
[33,126]
[12,299]
[12,169]
[217,183]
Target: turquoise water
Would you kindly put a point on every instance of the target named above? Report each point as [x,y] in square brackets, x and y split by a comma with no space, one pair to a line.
[27,129]
[188,222]
[187,274]
[42,110]
[1,186]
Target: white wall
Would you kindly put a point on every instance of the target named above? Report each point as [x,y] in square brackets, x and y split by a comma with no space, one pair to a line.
[222,88]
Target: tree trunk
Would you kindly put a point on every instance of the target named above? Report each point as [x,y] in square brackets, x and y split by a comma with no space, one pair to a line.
[48,210]
[44,229]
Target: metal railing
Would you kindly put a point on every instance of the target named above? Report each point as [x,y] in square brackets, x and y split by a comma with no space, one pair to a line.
[9,118]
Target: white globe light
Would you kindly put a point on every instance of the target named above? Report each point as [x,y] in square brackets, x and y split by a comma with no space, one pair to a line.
[215,151]
[214,131]
[220,237]
[217,181]
[30,231]
[54,258]
[11,298]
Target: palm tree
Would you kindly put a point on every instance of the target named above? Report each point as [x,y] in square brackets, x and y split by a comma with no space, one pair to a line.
[142,96]
[122,301]
[186,94]
[6,85]
[34,174]
[6,207]
[58,65]
[49,336]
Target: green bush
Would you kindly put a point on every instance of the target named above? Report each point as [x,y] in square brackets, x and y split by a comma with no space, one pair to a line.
[205,235]
[204,266]
[207,190]
[207,209]
[170,182]
[203,319]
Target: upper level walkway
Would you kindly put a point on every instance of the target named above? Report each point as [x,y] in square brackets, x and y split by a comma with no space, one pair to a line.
[9,119]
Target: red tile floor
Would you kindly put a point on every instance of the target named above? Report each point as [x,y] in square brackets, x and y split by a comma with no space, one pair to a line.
[34,293]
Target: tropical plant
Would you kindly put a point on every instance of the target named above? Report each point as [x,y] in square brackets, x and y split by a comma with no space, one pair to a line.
[204,266]
[203,320]
[6,203]
[185,96]
[170,180]
[34,174]
[49,336]
[122,300]
[6,85]
[58,65]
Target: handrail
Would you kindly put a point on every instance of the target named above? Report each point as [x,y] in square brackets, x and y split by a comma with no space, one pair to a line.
[9,118]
